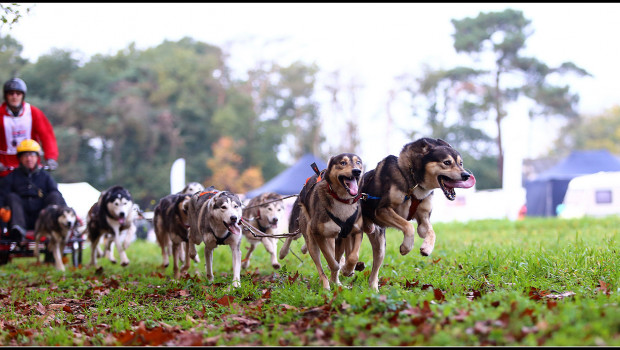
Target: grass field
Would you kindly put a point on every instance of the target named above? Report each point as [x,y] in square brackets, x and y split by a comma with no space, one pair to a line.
[535,282]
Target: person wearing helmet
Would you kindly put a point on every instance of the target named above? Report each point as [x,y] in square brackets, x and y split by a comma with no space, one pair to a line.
[27,190]
[20,121]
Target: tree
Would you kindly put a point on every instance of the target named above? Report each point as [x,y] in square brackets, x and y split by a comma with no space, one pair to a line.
[224,165]
[495,41]
[595,132]
[11,61]
[11,14]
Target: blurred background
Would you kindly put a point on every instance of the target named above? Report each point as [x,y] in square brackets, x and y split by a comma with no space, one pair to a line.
[241,92]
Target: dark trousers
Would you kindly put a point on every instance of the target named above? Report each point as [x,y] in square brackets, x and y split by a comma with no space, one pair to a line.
[25,210]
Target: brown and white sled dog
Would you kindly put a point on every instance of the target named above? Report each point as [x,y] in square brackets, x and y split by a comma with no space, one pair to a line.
[214,217]
[401,188]
[192,188]
[263,212]
[111,216]
[171,225]
[330,218]
[56,223]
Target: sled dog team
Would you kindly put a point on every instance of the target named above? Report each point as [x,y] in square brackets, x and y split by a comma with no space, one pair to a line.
[333,210]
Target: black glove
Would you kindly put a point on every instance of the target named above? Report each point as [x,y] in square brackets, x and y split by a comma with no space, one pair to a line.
[52,164]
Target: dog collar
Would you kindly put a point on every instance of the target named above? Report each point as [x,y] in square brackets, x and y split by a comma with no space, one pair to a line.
[220,241]
[345,201]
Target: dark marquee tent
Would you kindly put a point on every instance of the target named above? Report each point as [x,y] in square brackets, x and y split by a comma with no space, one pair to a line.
[291,180]
[547,191]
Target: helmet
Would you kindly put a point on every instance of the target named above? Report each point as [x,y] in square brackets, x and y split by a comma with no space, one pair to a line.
[15,84]
[28,145]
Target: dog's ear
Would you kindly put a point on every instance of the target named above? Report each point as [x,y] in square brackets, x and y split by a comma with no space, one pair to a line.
[444,143]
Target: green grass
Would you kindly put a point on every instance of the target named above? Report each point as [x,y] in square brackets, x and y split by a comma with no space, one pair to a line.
[548,282]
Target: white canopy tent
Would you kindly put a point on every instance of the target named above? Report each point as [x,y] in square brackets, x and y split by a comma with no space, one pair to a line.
[80,196]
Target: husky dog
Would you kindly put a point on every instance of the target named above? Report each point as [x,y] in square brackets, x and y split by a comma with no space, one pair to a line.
[401,188]
[263,212]
[330,217]
[55,222]
[112,215]
[171,226]
[214,217]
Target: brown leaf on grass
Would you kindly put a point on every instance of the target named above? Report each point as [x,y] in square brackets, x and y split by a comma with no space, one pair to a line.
[426,286]
[266,293]
[225,300]
[495,303]
[411,285]
[188,339]
[40,308]
[439,295]
[292,279]
[551,304]
[603,287]
[474,294]
[461,316]
[436,261]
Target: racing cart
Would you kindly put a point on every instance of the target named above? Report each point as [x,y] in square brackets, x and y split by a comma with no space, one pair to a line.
[11,248]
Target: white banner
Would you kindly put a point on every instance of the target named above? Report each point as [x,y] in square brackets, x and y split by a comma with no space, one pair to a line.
[177,175]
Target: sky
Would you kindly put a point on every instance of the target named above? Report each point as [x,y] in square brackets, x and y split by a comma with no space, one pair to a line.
[369,43]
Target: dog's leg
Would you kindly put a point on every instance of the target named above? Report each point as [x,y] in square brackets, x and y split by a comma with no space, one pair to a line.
[271,245]
[56,249]
[315,254]
[176,250]
[327,248]
[352,250]
[129,236]
[377,242]
[236,263]
[287,245]
[387,217]
[186,258]
[425,230]
[121,250]
[94,248]
[209,263]
[109,249]
[246,261]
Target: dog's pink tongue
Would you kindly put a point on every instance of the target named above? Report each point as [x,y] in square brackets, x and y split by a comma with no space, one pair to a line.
[352,187]
[465,184]
[121,220]
[234,228]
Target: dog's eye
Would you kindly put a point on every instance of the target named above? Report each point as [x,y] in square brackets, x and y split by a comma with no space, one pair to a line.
[343,162]
[358,163]
[447,162]
[224,207]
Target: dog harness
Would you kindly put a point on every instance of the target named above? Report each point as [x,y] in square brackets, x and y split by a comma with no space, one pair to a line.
[345,226]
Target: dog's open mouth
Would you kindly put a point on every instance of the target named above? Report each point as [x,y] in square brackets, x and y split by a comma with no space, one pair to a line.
[350,183]
[273,224]
[448,185]
[233,227]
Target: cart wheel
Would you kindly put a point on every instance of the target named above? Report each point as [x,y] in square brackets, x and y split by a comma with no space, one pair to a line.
[4,257]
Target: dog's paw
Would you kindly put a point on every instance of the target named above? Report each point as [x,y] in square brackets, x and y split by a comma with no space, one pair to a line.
[426,250]
[276,266]
[245,264]
[404,250]
[360,266]
[123,264]
[304,249]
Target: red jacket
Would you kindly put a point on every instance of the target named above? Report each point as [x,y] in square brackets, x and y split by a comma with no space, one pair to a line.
[31,123]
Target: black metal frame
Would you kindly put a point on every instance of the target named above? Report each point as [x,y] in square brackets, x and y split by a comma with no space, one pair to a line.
[10,248]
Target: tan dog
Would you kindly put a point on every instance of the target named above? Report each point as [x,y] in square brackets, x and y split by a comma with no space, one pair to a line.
[55,222]
[330,218]
[214,217]
[171,226]
[263,212]
[192,188]
[401,188]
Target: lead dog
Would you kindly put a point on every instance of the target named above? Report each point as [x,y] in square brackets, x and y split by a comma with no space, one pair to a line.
[171,225]
[263,212]
[214,217]
[113,216]
[401,188]
[330,217]
[55,222]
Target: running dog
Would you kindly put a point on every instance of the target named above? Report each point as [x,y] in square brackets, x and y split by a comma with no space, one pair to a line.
[401,188]
[192,188]
[330,217]
[214,217]
[56,223]
[263,213]
[171,226]
[112,216]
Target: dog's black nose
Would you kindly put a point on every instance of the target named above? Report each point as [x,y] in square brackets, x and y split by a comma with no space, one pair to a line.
[121,214]
[233,219]
[357,172]
[275,220]
[465,176]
